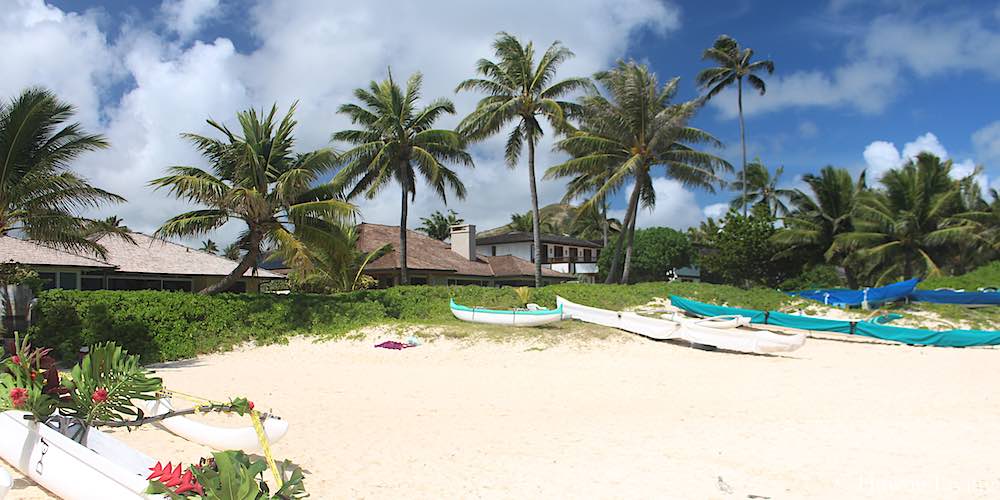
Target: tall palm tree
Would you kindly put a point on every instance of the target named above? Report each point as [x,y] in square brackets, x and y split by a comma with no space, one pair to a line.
[817,218]
[733,65]
[637,129]
[591,222]
[39,196]
[396,142]
[257,179]
[438,225]
[210,247]
[899,229]
[762,187]
[524,93]
[583,185]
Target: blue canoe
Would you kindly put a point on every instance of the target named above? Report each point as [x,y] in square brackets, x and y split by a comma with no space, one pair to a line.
[912,336]
[955,297]
[839,297]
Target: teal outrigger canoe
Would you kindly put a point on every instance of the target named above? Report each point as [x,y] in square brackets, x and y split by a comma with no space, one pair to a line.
[912,336]
[511,317]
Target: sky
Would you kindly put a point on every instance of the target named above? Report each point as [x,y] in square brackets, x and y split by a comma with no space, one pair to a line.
[857,84]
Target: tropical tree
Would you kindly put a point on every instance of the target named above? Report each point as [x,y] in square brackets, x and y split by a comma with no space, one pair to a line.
[257,179]
[733,65]
[637,129]
[584,184]
[94,230]
[521,92]
[818,217]
[762,187]
[232,251]
[338,265]
[39,196]
[438,225]
[210,247]
[591,223]
[522,223]
[395,142]
[899,229]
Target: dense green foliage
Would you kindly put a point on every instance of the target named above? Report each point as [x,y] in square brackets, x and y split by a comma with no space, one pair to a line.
[743,252]
[438,225]
[819,276]
[657,251]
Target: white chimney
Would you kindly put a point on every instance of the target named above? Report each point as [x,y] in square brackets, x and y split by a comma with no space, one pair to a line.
[463,240]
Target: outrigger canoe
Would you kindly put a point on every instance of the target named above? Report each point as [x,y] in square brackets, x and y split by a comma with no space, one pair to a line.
[728,332]
[219,438]
[514,317]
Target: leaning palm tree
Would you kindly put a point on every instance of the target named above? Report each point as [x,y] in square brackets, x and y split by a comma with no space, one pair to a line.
[734,64]
[521,92]
[638,129]
[39,196]
[899,230]
[762,187]
[257,179]
[818,217]
[395,141]
[438,225]
[210,247]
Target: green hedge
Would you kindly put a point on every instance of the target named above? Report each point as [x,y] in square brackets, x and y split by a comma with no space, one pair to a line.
[161,326]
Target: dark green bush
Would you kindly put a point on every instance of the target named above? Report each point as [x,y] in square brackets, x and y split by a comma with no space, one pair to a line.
[820,276]
[657,251]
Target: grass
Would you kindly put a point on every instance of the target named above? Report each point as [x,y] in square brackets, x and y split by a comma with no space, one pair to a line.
[985,276]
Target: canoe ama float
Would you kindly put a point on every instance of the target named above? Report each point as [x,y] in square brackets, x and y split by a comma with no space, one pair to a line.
[506,317]
[219,438]
[724,333]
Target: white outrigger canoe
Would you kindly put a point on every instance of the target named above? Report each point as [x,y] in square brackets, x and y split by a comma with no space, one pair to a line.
[104,468]
[729,333]
[6,482]
[528,317]
[219,438]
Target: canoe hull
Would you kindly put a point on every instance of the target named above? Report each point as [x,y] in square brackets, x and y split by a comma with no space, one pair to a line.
[219,438]
[506,318]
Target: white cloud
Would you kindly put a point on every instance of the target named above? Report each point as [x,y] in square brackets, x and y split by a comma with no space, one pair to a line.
[716,210]
[808,129]
[933,46]
[187,17]
[882,156]
[986,142]
[675,207]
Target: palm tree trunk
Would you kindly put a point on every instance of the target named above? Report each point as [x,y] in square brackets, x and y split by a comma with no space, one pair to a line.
[250,259]
[404,273]
[743,141]
[620,244]
[604,225]
[629,247]
[536,216]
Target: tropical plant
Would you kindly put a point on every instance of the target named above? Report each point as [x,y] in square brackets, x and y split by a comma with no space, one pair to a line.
[982,219]
[521,92]
[525,223]
[743,252]
[438,225]
[339,265]
[94,230]
[733,65]
[658,251]
[704,233]
[395,142]
[232,251]
[637,129]
[39,196]
[26,380]
[591,222]
[210,247]
[105,382]
[584,184]
[228,475]
[818,217]
[898,229]
[257,179]
[762,187]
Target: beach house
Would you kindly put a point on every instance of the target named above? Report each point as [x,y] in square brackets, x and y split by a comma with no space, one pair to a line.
[560,253]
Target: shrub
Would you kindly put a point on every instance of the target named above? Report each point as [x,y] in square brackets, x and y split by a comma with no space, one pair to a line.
[820,276]
[657,251]
[743,254]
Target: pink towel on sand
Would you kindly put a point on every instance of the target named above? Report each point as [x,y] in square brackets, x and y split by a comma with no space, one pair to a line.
[392,344]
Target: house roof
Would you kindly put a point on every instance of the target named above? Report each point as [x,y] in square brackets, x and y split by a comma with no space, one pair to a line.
[35,254]
[427,254]
[521,236]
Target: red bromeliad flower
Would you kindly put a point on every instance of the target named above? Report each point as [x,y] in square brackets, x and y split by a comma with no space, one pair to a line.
[100,395]
[250,404]
[171,477]
[19,397]
[16,359]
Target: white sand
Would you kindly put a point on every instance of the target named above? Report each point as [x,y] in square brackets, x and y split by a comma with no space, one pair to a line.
[617,418]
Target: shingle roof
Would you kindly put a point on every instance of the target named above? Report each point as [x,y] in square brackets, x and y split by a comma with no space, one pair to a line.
[33,253]
[521,236]
[427,254]
[155,256]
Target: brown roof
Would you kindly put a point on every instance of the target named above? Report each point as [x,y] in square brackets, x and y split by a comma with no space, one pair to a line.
[36,254]
[427,254]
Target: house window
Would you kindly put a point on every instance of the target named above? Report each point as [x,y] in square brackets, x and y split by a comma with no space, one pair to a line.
[48,280]
[134,284]
[586,255]
[69,281]
[418,280]
[91,282]
[493,250]
[559,252]
[177,285]
[573,253]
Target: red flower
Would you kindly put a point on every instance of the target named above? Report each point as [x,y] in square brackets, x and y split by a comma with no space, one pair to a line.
[33,374]
[19,397]
[16,359]
[100,395]
[250,404]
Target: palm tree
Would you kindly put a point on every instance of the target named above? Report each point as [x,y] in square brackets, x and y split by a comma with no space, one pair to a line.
[522,223]
[396,142]
[583,185]
[637,129]
[897,230]
[257,179]
[817,218]
[734,64]
[210,247]
[521,92]
[39,196]
[232,251]
[980,220]
[762,187]
[339,262]
[94,230]
[591,222]
[438,225]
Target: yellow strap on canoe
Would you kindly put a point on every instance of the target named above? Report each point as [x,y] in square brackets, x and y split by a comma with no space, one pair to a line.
[265,446]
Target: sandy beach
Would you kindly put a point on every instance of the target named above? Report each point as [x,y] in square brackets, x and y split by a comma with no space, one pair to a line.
[618,417]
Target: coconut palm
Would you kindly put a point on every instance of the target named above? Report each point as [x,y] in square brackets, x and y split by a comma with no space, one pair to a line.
[637,129]
[94,230]
[733,65]
[521,223]
[591,222]
[210,247]
[898,230]
[257,179]
[762,187]
[980,220]
[339,265]
[396,142]
[521,92]
[438,225]
[583,185]
[39,196]
[818,217]
[232,251]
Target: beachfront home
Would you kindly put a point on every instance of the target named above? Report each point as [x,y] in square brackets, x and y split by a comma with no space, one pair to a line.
[433,262]
[563,254]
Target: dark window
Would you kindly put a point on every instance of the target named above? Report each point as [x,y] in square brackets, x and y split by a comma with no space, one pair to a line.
[418,280]
[48,280]
[180,285]
[134,284]
[559,251]
[238,287]
[91,283]
[573,254]
[68,281]
[494,250]
[586,255]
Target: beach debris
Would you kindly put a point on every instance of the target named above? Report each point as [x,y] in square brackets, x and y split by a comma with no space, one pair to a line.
[723,486]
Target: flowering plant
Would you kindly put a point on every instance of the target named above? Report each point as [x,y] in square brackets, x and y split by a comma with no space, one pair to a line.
[29,381]
[228,475]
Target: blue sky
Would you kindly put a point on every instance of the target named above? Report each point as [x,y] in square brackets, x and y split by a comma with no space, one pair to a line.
[858,84]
